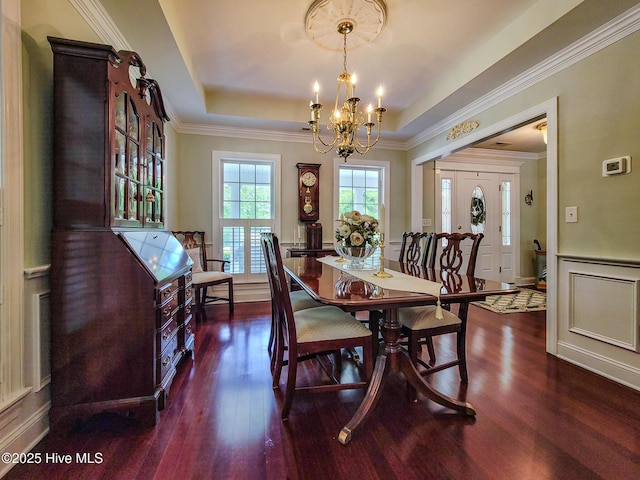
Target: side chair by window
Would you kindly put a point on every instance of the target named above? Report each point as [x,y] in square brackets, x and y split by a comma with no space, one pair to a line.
[310,333]
[420,324]
[204,273]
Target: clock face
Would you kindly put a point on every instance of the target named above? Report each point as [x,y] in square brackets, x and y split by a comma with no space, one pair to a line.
[309,179]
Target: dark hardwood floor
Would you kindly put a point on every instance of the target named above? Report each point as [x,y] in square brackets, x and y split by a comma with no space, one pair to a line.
[538,418]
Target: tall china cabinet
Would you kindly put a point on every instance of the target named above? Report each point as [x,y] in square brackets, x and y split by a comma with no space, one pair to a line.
[121,295]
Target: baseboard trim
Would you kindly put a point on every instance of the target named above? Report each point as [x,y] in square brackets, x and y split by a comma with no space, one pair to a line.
[28,434]
[613,370]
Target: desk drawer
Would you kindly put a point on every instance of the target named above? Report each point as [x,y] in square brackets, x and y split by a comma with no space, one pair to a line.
[165,362]
[168,290]
[164,335]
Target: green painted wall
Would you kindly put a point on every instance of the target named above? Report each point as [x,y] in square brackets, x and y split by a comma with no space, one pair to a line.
[598,118]
[195,181]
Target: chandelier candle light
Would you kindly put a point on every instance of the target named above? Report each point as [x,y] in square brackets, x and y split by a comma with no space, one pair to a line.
[345,120]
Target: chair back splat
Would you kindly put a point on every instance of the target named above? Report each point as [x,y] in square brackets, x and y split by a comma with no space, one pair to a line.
[447,252]
[204,271]
[310,333]
[415,248]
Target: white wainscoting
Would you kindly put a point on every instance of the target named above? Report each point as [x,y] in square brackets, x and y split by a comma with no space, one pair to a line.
[614,321]
[599,316]
[24,420]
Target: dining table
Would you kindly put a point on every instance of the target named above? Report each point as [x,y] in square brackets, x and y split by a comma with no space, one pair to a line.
[328,281]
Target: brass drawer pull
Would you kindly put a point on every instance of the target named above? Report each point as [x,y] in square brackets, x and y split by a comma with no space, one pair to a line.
[166,334]
[166,361]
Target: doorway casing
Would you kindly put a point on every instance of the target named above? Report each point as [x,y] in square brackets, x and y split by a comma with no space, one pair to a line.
[550,110]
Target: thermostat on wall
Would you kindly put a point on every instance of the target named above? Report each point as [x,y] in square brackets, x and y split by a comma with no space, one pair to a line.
[616,166]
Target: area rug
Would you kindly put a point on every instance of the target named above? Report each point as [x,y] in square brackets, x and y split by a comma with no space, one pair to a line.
[526,300]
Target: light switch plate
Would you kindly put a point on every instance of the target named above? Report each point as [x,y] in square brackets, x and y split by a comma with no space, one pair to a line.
[571,215]
[426,222]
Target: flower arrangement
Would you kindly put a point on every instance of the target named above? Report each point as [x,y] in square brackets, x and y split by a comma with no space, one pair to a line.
[357,230]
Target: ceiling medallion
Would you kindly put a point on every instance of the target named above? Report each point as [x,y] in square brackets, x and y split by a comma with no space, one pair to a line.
[323,17]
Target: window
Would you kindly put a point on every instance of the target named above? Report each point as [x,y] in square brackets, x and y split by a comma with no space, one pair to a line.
[245,205]
[361,186]
[505,227]
[447,205]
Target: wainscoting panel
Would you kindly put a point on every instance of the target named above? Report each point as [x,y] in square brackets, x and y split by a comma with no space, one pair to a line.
[599,316]
[614,320]
[41,340]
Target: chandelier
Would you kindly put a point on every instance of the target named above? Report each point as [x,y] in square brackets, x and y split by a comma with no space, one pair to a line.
[346,120]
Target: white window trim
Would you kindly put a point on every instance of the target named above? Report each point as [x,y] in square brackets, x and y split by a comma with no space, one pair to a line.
[384,165]
[217,157]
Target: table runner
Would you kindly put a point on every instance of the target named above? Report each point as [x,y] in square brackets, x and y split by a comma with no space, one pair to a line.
[399,281]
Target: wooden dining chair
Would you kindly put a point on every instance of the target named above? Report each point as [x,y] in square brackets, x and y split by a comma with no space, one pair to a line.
[420,324]
[300,300]
[310,333]
[205,275]
[415,248]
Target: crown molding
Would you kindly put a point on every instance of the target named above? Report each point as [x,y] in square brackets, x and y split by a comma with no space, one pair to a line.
[607,34]
[101,22]
[260,134]
[616,29]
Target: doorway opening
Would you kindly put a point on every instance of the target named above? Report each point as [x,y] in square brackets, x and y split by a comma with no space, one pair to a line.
[548,192]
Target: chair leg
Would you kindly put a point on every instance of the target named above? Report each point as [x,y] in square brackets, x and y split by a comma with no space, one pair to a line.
[462,355]
[291,385]
[199,304]
[277,360]
[431,350]
[231,296]
[272,336]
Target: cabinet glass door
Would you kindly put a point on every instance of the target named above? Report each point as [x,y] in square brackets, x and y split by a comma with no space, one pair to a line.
[127,175]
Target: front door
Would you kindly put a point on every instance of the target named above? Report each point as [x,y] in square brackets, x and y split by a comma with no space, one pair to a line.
[480,202]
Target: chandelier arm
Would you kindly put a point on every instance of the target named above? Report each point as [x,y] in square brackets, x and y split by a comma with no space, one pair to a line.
[369,142]
[316,136]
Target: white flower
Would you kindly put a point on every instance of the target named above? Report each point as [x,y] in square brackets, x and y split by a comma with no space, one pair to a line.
[356,239]
[344,230]
[355,216]
[355,229]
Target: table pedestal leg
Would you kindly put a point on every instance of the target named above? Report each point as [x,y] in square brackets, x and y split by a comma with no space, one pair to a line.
[392,358]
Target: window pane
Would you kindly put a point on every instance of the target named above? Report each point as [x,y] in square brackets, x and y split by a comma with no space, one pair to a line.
[446,205]
[506,213]
[263,174]
[231,172]
[247,173]
[247,192]
[359,178]
[359,189]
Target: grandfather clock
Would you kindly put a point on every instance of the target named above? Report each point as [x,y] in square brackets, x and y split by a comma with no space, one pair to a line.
[308,192]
